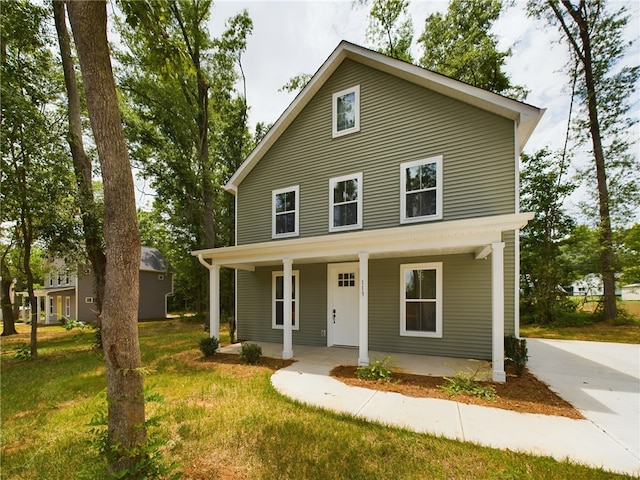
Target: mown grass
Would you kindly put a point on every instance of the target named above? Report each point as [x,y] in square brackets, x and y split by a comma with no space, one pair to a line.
[220,421]
[584,326]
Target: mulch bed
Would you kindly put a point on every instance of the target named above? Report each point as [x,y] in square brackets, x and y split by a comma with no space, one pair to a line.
[521,394]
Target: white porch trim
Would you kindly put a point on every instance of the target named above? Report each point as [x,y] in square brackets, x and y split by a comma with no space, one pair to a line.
[497,309]
[363,309]
[214,297]
[287,340]
[477,236]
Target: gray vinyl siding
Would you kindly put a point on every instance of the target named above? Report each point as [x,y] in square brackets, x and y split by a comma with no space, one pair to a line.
[254,309]
[467,315]
[399,122]
[85,289]
[153,294]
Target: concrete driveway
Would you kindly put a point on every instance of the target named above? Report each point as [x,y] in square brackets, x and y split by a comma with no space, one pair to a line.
[602,380]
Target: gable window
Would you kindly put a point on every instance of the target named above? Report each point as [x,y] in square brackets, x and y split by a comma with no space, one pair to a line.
[278,299]
[345,202]
[421,300]
[421,190]
[285,207]
[346,111]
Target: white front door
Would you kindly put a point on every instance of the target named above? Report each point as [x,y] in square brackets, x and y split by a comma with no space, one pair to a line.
[343,304]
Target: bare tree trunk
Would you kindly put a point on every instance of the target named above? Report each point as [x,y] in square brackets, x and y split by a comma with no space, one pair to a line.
[81,161]
[8,320]
[605,233]
[127,432]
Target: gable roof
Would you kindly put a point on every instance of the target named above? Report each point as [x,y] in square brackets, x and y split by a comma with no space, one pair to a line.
[151,260]
[526,116]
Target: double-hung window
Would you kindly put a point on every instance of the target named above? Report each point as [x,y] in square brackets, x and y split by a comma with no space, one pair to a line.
[421,300]
[345,202]
[421,190]
[346,111]
[277,317]
[285,208]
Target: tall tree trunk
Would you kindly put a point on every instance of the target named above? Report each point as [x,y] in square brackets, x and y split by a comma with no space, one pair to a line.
[127,433]
[8,320]
[81,161]
[605,233]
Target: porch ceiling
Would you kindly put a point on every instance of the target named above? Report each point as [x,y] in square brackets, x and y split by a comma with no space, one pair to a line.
[442,238]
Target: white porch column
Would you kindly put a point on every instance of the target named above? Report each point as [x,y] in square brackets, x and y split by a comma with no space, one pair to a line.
[287,341]
[214,301]
[497,302]
[363,309]
[39,308]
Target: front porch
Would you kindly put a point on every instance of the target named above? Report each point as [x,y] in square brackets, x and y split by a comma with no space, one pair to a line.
[405,362]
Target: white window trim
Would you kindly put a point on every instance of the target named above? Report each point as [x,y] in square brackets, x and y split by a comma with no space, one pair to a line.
[296,276]
[403,190]
[67,307]
[332,182]
[334,112]
[295,233]
[437,266]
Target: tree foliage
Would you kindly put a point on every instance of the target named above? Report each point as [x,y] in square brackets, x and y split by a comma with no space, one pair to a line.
[543,269]
[390,28]
[36,195]
[460,44]
[594,35]
[187,124]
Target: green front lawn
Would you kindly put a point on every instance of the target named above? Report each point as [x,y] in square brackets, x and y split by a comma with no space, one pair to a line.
[220,421]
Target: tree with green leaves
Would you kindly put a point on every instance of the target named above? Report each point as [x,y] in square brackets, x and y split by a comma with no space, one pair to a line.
[187,124]
[390,28]
[594,34]
[36,194]
[543,189]
[126,432]
[90,211]
[460,44]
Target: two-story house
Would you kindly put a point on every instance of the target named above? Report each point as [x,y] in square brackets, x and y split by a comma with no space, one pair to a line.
[69,291]
[381,211]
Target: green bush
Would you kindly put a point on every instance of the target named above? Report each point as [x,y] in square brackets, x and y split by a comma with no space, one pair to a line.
[250,353]
[380,370]
[209,345]
[23,352]
[516,350]
[465,383]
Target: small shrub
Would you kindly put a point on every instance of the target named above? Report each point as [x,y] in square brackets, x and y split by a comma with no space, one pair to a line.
[516,350]
[465,384]
[23,352]
[209,345]
[70,323]
[250,353]
[380,370]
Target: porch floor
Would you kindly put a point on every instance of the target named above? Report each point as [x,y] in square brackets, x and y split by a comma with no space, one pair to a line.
[408,363]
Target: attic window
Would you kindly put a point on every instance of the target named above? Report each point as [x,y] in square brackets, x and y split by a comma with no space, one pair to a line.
[346,111]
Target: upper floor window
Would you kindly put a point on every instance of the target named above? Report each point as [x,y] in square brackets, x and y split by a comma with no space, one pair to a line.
[421,300]
[421,190]
[285,207]
[346,111]
[345,202]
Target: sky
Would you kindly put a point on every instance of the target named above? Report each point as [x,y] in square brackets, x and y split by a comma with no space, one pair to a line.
[293,37]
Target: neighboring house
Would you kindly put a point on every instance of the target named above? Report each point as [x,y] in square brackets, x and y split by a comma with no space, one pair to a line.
[383,206]
[69,293]
[589,286]
[631,292]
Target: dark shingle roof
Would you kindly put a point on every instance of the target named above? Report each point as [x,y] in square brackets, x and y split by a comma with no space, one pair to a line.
[152,260]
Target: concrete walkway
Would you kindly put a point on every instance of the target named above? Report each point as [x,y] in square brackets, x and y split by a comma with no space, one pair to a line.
[601,380]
